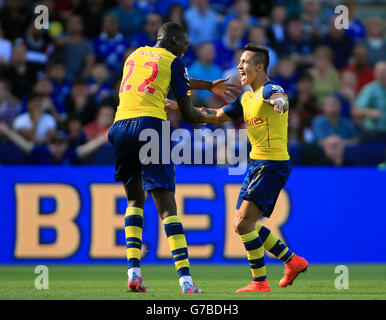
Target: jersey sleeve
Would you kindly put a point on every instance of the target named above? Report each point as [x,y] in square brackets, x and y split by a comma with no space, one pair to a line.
[234,110]
[272,88]
[179,78]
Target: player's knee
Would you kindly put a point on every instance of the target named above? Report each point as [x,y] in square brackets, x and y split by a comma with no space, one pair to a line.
[236,223]
[136,203]
[241,224]
[163,215]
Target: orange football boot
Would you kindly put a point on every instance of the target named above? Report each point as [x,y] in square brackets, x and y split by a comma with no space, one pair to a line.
[256,286]
[292,269]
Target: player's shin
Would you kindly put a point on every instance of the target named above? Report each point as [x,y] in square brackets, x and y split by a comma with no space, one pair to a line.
[273,244]
[133,233]
[178,247]
[255,254]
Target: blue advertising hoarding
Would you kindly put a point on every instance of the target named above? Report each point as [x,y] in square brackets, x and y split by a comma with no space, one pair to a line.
[75,215]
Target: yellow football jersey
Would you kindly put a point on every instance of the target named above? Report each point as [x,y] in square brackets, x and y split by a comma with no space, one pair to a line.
[267,129]
[148,74]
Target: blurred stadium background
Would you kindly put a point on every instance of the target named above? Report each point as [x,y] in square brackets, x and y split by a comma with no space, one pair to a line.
[58,91]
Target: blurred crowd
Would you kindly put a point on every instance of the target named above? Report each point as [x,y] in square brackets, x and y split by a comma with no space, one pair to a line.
[58,87]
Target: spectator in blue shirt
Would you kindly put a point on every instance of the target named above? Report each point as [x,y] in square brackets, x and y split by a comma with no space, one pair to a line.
[332,123]
[294,7]
[313,21]
[74,129]
[110,46]
[340,44]
[99,85]
[176,15]
[202,23]
[258,36]
[130,18]
[73,50]
[356,30]
[346,93]
[189,57]
[149,37]
[241,10]
[61,87]
[229,44]
[233,73]
[146,6]
[296,45]
[56,151]
[276,28]
[206,69]
[287,76]
[163,7]
[221,6]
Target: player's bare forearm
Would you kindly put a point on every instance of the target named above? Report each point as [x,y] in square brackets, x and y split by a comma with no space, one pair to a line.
[212,116]
[227,91]
[189,113]
[197,84]
[220,116]
[204,115]
[279,102]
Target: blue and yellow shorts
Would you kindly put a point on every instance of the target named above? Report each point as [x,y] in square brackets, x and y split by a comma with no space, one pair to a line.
[263,183]
[124,136]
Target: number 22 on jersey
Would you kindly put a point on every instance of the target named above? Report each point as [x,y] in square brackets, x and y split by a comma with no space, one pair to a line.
[144,87]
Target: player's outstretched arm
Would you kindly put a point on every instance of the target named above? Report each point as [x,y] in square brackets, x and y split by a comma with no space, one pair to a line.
[212,116]
[193,115]
[228,91]
[220,117]
[279,102]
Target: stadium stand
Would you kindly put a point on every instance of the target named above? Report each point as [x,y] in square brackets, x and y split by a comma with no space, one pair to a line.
[76,65]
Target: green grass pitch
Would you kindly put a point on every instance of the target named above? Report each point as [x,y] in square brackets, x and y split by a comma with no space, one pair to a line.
[102,282]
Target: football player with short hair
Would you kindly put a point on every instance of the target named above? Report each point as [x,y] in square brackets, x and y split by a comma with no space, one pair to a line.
[264,109]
